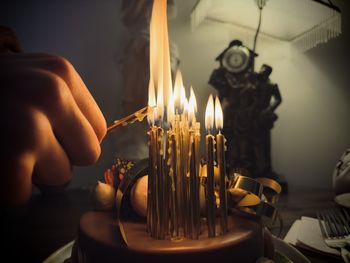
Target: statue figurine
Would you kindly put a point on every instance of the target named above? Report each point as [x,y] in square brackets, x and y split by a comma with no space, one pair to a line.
[248,113]
[269,99]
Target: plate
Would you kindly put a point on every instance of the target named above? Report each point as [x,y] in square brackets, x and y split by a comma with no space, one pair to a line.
[64,253]
[343,200]
[289,251]
[61,254]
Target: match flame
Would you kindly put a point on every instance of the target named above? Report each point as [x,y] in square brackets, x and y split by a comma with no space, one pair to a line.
[160,70]
[177,92]
[209,114]
[219,118]
[151,103]
[193,100]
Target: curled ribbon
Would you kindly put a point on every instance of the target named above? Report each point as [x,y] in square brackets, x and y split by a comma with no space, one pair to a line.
[258,196]
[137,171]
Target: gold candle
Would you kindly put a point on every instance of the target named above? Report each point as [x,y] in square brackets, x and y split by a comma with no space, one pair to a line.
[197,143]
[151,190]
[174,226]
[191,184]
[151,213]
[210,141]
[160,185]
[197,137]
[220,153]
[179,100]
[185,165]
[178,172]
[193,169]
[171,162]
[157,196]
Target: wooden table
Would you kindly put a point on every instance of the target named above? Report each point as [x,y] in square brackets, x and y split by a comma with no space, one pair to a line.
[49,222]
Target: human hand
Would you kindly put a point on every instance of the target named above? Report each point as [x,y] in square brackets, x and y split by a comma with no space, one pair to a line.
[49,122]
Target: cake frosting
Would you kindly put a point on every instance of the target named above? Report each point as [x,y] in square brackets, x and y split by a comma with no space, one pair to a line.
[99,241]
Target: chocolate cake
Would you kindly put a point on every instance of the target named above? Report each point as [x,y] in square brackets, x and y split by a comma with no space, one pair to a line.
[100,239]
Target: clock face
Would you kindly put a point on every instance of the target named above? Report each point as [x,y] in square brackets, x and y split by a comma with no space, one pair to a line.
[236,59]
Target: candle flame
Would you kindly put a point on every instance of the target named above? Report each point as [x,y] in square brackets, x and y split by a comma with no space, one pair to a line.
[170,108]
[183,97]
[219,119]
[160,104]
[151,102]
[177,91]
[160,70]
[192,110]
[209,114]
[193,100]
[185,107]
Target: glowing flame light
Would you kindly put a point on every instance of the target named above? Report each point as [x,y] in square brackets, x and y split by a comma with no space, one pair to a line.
[170,108]
[160,104]
[209,114]
[177,92]
[183,100]
[151,103]
[192,109]
[219,119]
[186,107]
[160,70]
[193,100]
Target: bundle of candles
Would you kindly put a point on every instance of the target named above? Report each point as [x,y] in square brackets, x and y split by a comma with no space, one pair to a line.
[173,204]
[174,166]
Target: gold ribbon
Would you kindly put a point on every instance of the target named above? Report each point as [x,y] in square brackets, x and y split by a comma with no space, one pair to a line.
[272,189]
[137,171]
[256,196]
[252,191]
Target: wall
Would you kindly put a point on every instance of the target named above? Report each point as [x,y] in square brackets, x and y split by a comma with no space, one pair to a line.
[313,128]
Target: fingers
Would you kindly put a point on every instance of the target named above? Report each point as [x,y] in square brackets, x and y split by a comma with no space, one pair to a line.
[52,167]
[16,180]
[50,121]
[70,126]
[35,151]
[61,67]
[81,94]
[51,95]
[17,154]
